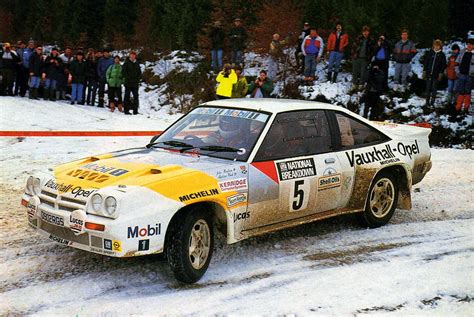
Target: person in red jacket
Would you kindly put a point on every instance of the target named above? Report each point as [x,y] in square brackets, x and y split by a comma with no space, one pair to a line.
[337,42]
[451,72]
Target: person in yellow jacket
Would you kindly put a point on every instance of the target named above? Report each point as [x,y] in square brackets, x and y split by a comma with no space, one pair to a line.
[226,79]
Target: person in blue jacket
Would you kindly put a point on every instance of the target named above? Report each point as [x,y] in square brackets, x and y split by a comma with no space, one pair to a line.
[102,65]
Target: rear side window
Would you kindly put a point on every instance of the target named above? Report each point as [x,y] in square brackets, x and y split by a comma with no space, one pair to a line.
[355,133]
[297,133]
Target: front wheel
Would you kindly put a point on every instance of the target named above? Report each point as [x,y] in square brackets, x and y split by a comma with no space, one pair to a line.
[190,244]
[381,201]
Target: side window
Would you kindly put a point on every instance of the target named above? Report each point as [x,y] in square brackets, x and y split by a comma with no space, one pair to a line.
[294,134]
[355,133]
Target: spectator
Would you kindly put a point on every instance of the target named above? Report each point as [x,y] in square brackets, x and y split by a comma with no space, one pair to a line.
[276,54]
[63,79]
[78,70]
[361,55]
[217,45]
[312,48]
[337,42]
[35,68]
[103,64]
[239,89]
[25,69]
[226,79]
[465,75]
[132,74]
[92,77]
[53,72]
[434,65]
[114,82]
[238,36]
[373,91]
[298,53]
[9,63]
[262,87]
[382,53]
[19,74]
[451,72]
[403,53]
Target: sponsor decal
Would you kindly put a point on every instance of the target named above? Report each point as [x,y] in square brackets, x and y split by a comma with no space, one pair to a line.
[233,184]
[105,169]
[236,199]
[329,181]
[143,245]
[64,188]
[383,156]
[148,231]
[233,113]
[243,169]
[107,244]
[226,173]
[59,240]
[99,250]
[116,246]
[32,206]
[52,219]
[204,193]
[241,216]
[77,219]
[296,169]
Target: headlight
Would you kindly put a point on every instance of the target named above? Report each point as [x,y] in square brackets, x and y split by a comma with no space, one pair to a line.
[29,185]
[96,202]
[110,205]
[36,186]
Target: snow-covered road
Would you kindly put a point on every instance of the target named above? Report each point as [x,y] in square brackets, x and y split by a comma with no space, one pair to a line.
[421,263]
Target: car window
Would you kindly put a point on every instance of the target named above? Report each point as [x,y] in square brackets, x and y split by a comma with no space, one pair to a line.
[296,133]
[206,130]
[355,133]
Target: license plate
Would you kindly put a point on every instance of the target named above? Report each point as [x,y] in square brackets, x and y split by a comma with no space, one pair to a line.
[52,219]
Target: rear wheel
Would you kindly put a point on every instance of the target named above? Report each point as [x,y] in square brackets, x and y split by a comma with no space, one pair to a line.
[381,201]
[190,244]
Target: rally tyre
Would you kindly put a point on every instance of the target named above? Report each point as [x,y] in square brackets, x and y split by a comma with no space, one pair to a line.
[381,201]
[189,245]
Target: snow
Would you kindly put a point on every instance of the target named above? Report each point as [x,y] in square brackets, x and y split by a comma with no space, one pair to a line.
[421,263]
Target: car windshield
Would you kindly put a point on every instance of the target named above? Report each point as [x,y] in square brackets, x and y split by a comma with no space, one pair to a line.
[217,132]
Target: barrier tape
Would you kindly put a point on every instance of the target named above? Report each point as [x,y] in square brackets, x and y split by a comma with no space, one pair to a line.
[76,133]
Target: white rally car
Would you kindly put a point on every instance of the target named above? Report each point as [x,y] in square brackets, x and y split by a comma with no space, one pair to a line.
[243,166]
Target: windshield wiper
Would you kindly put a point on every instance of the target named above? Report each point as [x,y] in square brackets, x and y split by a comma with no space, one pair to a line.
[218,148]
[171,143]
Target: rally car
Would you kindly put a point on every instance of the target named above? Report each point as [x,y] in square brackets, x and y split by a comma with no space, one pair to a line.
[242,166]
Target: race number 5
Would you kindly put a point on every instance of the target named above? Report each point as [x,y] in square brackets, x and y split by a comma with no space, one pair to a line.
[299,195]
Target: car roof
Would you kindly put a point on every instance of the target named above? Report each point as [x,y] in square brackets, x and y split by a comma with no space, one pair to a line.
[273,105]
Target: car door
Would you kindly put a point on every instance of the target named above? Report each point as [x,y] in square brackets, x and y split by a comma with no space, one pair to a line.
[294,173]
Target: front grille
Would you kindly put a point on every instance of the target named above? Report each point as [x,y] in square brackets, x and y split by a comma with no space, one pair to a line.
[61,202]
[64,233]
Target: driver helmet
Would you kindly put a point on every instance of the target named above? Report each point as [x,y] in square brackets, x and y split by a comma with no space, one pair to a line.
[229,127]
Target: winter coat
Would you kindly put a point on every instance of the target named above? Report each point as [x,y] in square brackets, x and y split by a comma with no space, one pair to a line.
[217,38]
[36,64]
[357,46]
[465,67]
[304,33]
[376,81]
[27,52]
[434,64]
[266,89]
[382,52]
[9,59]
[238,36]
[404,52]
[451,67]
[239,89]
[312,45]
[226,83]
[114,75]
[276,48]
[131,73]
[343,42]
[102,65]
[52,67]
[92,70]
[78,71]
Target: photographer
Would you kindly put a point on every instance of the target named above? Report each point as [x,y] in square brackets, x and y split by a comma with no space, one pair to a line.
[226,79]
[262,87]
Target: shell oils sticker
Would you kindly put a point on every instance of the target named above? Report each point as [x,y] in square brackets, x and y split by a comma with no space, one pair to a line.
[330,179]
[236,200]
